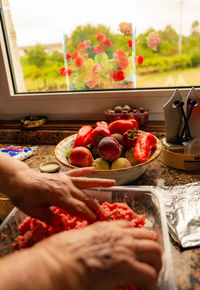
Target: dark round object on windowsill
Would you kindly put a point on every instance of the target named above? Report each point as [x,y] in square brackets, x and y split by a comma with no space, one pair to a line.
[33,122]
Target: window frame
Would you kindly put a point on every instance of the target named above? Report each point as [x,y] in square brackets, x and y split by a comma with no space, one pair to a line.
[64,105]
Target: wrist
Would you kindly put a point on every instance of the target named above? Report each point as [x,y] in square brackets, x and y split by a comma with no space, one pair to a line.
[64,272]
[17,182]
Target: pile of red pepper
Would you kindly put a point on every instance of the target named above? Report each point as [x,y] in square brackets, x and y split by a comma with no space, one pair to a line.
[142,142]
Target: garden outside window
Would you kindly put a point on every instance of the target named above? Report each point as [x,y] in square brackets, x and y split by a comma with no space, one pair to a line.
[73,60]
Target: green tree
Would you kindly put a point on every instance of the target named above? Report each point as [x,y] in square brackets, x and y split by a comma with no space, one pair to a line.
[37,55]
[195,29]
[169,34]
[56,56]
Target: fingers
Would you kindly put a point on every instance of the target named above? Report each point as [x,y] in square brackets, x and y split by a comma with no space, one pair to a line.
[140,274]
[76,193]
[90,202]
[137,233]
[149,252]
[79,209]
[145,276]
[146,249]
[142,233]
[84,183]
[80,171]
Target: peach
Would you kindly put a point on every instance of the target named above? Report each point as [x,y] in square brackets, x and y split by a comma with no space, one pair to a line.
[81,157]
[109,148]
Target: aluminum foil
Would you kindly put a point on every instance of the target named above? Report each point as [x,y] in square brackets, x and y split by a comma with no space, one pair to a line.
[182,206]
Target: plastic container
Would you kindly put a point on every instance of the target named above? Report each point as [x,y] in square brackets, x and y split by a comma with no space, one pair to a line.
[50,167]
[193,147]
[184,157]
[142,118]
[5,207]
[142,201]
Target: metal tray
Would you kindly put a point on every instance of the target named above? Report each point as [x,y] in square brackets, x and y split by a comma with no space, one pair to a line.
[142,201]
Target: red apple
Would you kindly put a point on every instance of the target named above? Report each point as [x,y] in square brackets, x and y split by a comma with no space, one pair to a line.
[81,157]
[109,148]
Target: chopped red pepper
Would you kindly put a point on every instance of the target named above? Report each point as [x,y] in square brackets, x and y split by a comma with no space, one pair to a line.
[83,136]
[121,126]
[129,138]
[99,132]
[143,146]
[101,123]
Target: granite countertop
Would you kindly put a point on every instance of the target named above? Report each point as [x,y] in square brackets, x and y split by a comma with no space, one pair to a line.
[186,262]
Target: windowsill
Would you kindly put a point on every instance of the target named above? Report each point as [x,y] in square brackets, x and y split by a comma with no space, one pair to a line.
[157,126]
[54,131]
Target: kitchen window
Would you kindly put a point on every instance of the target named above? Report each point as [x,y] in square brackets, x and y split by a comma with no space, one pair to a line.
[73,60]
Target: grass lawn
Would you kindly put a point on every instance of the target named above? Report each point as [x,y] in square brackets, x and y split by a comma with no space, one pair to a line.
[185,77]
[175,78]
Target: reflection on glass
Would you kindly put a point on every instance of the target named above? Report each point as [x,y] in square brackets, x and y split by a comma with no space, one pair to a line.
[83,46]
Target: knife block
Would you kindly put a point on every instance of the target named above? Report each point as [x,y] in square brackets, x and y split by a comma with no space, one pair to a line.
[173,156]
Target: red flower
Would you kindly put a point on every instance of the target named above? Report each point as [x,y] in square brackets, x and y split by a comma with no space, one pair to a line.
[100,36]
[74,54]
[123,62]
[112,75]
[97,68]
[92,83]
[87,43]
[79,61]
[81,46]
[140,59]
[63,71]
[130,43]
[106,42]
[98,49]
[69,72]
[119,53]
[68,55]
[119,75]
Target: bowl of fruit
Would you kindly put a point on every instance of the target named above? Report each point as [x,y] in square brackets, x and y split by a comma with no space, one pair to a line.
[118,150]
[127,112]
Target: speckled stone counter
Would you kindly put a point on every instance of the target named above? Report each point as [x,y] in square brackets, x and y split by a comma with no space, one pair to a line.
[186,262]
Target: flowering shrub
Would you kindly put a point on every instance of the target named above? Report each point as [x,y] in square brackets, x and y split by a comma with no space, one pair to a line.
[98,66]
[153,40]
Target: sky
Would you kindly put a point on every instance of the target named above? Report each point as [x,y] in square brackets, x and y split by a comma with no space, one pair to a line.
[46,21]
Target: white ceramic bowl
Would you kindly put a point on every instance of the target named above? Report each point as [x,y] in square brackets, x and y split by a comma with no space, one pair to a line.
[122,176]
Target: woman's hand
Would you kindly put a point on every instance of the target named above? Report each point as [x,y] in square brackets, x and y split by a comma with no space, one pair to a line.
[34,192]
[104,256]
[37,192]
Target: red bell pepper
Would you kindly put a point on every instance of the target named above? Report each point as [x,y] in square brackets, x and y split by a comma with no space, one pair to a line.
[121,126]
[101,123]
[83,136]
[99,132]
[129,138]
[143,146]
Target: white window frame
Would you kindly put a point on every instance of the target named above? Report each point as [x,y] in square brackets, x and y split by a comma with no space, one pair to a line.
[86,105]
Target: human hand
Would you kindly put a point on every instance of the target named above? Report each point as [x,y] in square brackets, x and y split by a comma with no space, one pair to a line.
[35,192]
[104,256]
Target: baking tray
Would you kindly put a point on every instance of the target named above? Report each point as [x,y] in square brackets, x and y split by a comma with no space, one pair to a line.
[142,201]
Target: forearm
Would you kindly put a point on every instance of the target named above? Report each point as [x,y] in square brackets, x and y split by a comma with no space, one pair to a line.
[36,269]
[10,168]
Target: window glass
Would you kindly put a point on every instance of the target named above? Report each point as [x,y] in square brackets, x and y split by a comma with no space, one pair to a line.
[100,45]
